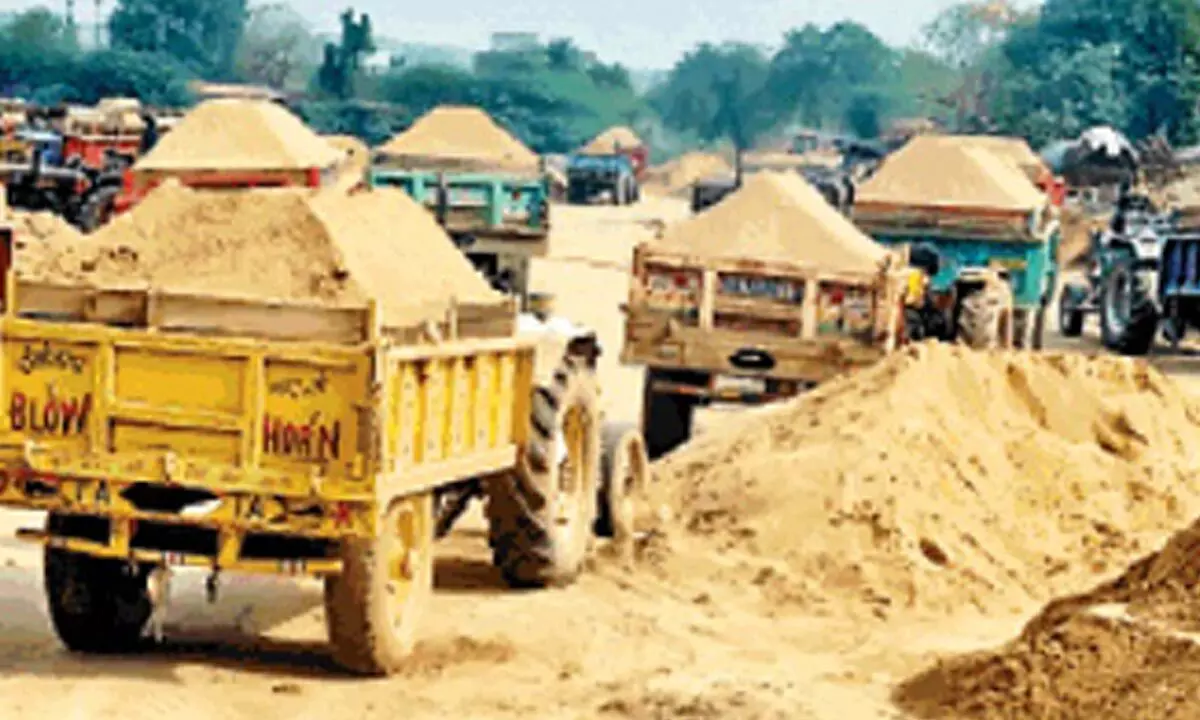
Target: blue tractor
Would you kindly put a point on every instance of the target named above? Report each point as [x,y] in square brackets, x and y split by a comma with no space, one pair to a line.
[589,176]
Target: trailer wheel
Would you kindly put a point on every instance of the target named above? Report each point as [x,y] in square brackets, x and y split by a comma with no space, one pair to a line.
[985,318]
[666,418]
[624,472]
[540,514]
[1038,335]
[97,605]
[576,194]
[373,606]
[1070,317]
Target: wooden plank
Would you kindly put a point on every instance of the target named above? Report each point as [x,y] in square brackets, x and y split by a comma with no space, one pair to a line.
[646,257]
[260,320]
[79,304]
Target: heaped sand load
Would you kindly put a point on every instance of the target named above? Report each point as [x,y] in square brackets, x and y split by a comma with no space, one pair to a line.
[458,136]
[1127,649]
[279,245]
[229,134]
[941,479]
[934,172]
[39,235]
[777,216]
[1012,150]
[612,140]
[678,175]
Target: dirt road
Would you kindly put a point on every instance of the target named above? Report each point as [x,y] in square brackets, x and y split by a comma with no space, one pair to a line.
[687,636]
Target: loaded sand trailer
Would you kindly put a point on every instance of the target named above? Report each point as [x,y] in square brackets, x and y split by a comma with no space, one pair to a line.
[756,299]
[307,425]
[229,144]
[490,192]
[983,238]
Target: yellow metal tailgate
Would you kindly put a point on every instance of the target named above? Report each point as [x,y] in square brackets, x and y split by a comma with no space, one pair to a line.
[136,427]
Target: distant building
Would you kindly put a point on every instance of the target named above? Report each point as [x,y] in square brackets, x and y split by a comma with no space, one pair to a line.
[515,41]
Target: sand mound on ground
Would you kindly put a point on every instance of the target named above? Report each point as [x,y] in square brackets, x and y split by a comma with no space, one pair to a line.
[329,247]
[229,134]
[1127,649]
[942,479]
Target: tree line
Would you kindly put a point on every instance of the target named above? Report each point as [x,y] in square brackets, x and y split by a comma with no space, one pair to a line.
[981,66]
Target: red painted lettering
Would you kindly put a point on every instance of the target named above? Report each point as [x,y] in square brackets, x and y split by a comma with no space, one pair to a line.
[289,439]
[52,416]
[16,411]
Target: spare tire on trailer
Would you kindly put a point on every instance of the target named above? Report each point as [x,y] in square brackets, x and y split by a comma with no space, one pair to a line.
[540,514]
[97,605]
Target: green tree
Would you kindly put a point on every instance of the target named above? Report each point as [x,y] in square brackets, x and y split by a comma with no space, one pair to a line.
[276,47]
[718,91]
[1129,63]
[340,68]
[563,54]
[204,35]
[962,34]
[817,75]
[39,29]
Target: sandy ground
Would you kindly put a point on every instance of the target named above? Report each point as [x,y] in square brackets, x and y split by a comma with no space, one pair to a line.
[694,642]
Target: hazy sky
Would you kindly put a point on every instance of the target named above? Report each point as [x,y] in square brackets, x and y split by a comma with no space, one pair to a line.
[640,33]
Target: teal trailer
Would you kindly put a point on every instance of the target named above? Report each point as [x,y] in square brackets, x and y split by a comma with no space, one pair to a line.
[500,221]
[479,204]
[949,245]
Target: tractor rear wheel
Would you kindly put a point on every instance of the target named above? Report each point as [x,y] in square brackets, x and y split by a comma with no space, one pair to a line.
[1128,317]
[540,514]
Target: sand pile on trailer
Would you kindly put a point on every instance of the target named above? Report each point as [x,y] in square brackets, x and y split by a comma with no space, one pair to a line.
[1126,649]
[612,140]
[328,247]
[1012,150]
[936,173]
[942,480]
[356,157]
[234,134]
[777,217]
[454,135]
[39,236]
[678,175]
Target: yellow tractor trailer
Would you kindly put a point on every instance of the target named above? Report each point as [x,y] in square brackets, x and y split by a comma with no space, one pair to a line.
[161,427]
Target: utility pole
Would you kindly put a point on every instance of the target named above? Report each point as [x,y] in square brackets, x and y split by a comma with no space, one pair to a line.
[97,28]
[70,18]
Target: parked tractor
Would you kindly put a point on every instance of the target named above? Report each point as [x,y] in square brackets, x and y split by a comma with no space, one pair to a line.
[82,195]
[589,176]
[1123,278]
